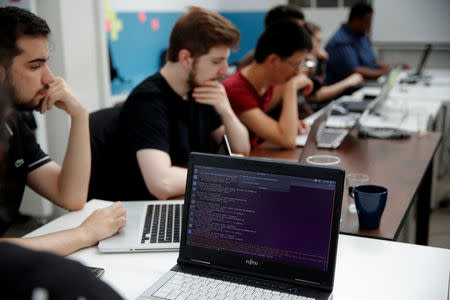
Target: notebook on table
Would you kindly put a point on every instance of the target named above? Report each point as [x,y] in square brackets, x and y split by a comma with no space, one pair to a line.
[360,106]
[322,136]
[418,74]
[151,226]
[255,227]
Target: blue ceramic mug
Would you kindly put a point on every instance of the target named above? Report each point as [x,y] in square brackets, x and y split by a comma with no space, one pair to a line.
[370,201]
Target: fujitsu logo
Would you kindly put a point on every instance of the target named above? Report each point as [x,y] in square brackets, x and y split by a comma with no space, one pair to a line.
[251,262]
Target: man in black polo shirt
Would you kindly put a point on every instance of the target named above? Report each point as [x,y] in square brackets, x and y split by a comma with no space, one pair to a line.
[178,110]
[28,274]
[31,85]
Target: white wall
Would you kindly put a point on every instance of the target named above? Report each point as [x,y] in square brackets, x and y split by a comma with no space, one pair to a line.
[181,5]
[411,21]
[329,19]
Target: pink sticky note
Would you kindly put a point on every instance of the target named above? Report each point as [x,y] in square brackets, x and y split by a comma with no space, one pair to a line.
[154,24]
[142,17]
[108,26]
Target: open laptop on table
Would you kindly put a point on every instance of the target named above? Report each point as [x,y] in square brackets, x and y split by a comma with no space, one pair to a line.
[151,226]
[360,106]
[418,74]
[323,136]
[255,227]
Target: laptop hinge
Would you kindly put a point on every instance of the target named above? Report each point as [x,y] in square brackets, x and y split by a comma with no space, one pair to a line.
[201,261]
[307,281]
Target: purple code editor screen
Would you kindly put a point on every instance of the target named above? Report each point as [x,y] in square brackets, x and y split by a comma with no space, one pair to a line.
[276,217]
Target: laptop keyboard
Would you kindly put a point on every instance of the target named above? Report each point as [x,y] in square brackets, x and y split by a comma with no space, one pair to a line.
[329,137]
[162,224]
[187,286]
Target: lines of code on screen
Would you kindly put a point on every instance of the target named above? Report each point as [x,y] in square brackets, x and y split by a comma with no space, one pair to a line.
[276,217]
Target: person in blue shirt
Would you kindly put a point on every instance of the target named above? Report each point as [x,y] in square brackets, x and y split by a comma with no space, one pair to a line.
[350,50]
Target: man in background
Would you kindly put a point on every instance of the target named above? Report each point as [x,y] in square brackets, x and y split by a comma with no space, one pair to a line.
[273,77]
[275,14]
[350,50]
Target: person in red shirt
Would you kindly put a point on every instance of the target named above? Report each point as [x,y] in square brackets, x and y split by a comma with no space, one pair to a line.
[273,77]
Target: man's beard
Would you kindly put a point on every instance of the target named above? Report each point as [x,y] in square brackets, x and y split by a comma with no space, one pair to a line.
[16,102]
[192,82]
[192,78]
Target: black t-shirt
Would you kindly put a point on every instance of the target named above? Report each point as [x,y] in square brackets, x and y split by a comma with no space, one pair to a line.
[24,156]
[155,117]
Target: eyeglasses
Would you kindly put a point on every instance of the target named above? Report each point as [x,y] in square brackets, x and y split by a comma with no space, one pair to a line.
[301,65]
[295,66]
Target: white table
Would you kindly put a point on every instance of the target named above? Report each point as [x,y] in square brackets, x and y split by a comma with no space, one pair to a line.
[365,268]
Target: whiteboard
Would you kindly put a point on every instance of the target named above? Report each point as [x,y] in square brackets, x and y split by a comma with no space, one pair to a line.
[414,21]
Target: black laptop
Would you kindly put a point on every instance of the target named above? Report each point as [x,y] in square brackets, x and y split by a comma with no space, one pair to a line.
[423,60]
[255,227]
[418,75]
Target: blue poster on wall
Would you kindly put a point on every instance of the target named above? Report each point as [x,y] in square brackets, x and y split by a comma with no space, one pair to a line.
[137,40]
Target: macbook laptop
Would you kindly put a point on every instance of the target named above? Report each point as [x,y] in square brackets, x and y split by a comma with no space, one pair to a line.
[360,106]
[320,134]
[151,226]
[255,227]
[375,105]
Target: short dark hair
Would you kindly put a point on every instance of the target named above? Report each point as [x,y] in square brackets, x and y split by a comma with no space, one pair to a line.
[311,28]
[359,10]
[198,31]
[283,39]
[282,13]
[15,23]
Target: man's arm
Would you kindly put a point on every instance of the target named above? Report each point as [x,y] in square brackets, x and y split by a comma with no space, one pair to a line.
[66,185]
[162,179]
[369,73]
[213,93]
[284,131]
[329,91]
[100,225]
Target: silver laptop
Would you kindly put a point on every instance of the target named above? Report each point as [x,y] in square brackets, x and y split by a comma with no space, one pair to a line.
[320,134]
[255,227]
[151,226]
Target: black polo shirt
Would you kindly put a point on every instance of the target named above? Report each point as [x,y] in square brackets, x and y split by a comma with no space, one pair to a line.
[24,156]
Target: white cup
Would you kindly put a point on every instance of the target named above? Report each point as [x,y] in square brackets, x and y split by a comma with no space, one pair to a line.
[323,160]
[354,180]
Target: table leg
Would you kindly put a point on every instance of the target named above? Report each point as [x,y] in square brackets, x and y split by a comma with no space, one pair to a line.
[423,207]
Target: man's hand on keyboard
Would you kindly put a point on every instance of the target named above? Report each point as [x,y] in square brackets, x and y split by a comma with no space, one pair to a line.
[103,223]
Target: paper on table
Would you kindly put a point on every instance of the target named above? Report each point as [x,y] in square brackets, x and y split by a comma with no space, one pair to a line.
[301,139]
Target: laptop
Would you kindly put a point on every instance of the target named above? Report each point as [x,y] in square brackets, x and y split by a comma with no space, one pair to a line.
[418,74]
[152,225]
[360,106]
[320,134]
[255,227]
[375,105]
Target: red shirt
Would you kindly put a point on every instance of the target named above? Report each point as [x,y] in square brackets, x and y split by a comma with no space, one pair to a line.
[243,97]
